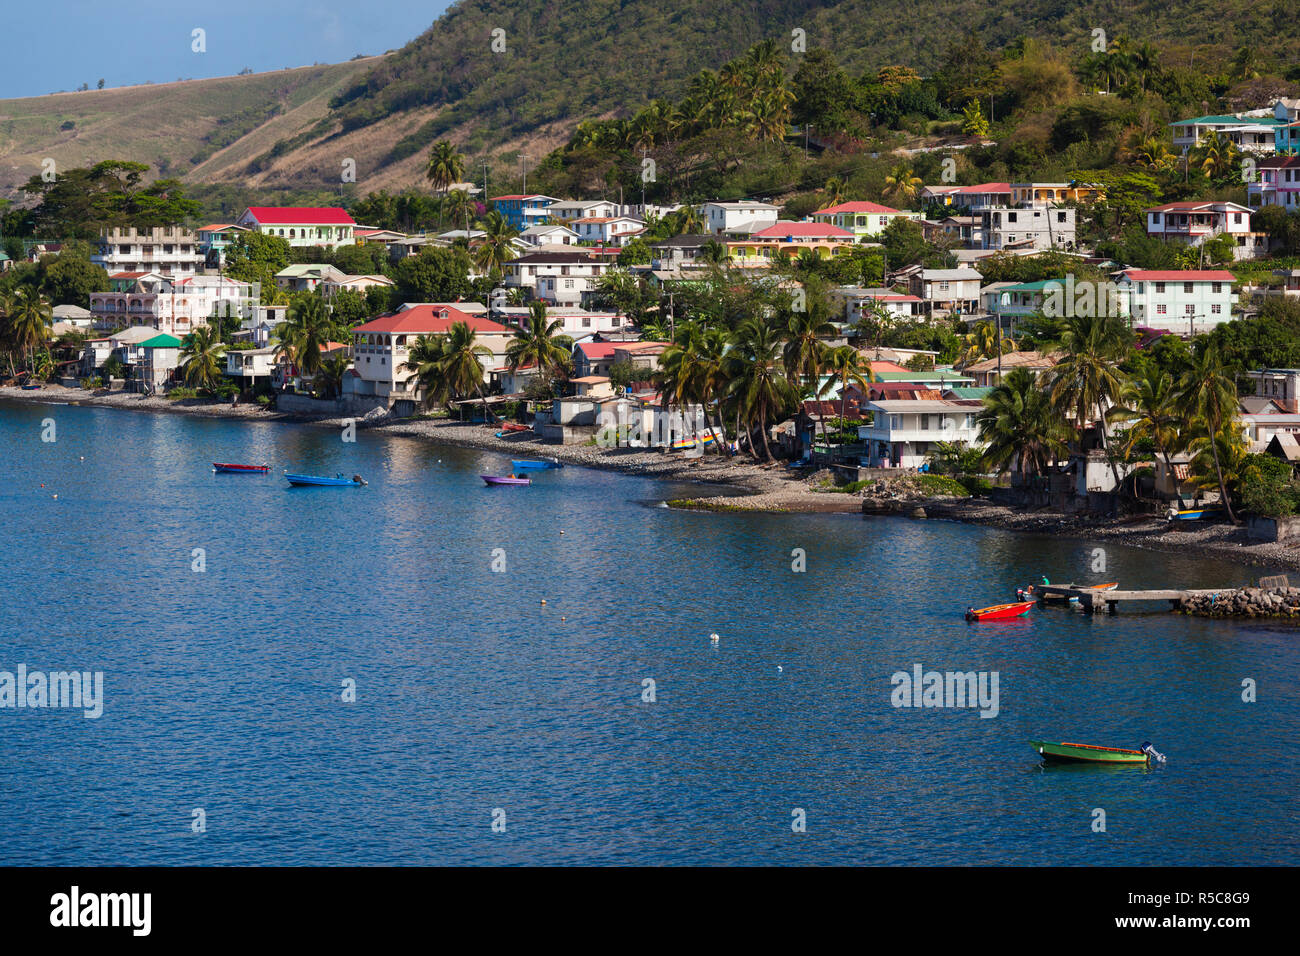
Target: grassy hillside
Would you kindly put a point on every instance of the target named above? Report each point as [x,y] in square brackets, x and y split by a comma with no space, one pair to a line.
[190,129]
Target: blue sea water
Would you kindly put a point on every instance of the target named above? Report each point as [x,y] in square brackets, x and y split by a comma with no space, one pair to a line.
[223,687]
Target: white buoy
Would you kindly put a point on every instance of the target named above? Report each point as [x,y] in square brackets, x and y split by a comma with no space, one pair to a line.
[780,669]
[714,638]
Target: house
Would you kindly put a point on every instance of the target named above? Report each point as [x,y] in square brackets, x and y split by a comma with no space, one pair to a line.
[562,278]
[553,235]
[567,211]
[523,211]
[1256,134]
[1047,194]
[176,308]
[168,250]
[642,356]
[306,277]
[947,290]
[860,218]
[788,238]
[990,371]
[575,323]
[302,226]
[670,255]
[593,358]
[381,347]
[332,287]
[970,198]
[740,217]
[1276,182]
[853,301]
[903,433]
[607,230]
[73,316]
[1278,385]
[159,358]
[214,239]
[592,386]
[366,236]
[1194,223]
[251,368]
[965,230]
[1026,228]
[1187,302]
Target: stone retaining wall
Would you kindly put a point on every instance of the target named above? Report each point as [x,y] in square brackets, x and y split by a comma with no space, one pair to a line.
[1245,602]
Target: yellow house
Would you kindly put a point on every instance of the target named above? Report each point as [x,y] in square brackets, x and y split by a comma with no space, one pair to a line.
[1036,194]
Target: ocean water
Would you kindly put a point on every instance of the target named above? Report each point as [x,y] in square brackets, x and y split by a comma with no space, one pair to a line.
[475,702]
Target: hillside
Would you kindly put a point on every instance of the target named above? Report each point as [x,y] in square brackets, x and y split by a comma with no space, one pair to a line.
[561,63]
[199,130]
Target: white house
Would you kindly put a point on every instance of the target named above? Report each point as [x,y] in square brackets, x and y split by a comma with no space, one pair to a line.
[855,301]
[974,198]
[576,322]
[571,209]
[1185,302]
[306,277]
[561,278]
[167,250]
[1276,182]
[250,368]
[947,290]
[176,308]
[302,226]
[1195,223]
[381,347]
[740,216]
[904,432]
[554,235]
[1251,133]
[607,230]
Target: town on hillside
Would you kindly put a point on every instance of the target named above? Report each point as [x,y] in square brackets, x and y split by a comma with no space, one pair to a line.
[1051,343]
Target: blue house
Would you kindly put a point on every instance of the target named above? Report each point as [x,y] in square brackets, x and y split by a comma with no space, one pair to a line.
[523,212]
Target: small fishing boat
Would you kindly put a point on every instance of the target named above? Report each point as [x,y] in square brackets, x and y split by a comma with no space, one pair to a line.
[503,480]
[531,464]
[356,481]
[1088,753]
[515,427]
[31,387]
[1029,593]
[999,612]
[222,467]
[684,443]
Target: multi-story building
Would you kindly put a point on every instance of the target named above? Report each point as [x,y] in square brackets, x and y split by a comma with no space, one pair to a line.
[1185,302]
[567,211]
[973,198]
[1027,228]
[1195,223]
[302,226]
[1256,134]
[523,211]
[214,240]
[175,308]
[861,219]
[904,432]
[168,250]
[607,230]
[562,278]
[947,290]
[738,217]
[1048,194]
[1276,183]
[855,301]
[789,238]
[381,347]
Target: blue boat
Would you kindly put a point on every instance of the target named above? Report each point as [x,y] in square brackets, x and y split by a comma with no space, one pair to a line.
[356,481]
[529,464]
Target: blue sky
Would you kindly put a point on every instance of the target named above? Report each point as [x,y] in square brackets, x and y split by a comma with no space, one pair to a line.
[51,45]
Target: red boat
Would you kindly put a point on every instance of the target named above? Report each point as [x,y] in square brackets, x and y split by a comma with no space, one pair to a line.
[227,468]
[999,612]
[516,427]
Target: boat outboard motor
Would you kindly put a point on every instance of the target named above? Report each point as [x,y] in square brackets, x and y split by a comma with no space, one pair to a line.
[1155,755]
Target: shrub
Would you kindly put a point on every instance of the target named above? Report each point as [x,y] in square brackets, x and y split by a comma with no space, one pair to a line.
[92,382]
[179,394]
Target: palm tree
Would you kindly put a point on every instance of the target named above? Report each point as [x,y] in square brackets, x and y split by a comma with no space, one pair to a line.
[201,358]
[333,371]
[836,189]
[1148,402]
[1216,155]
[540,342]
[304,336]
[30,321]
[461,363]
[1086,381]
[688,221]
[459,207]
[1207,395]
[986,340]
[1020,426]
[902,184]
[426,358]
[759,387]
[496,246]
[845,364]
[446,166]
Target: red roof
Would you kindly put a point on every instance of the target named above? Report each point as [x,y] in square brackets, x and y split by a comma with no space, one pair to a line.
[895,298]
[1175,275]
[215,227]
[427,319]
[857,207]
[599,350]
[1190,206]
[301,215]
[887,367]
[529,196]
[128,275]
[803,229]
[985,188]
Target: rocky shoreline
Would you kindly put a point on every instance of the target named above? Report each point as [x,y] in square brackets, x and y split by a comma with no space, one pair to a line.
[748,486]
[1282,602]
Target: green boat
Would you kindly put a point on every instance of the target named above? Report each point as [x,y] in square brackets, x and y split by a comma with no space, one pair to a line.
[1087,753]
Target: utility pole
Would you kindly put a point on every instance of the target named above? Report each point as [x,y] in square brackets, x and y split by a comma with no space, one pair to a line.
[485,181]
[523,172]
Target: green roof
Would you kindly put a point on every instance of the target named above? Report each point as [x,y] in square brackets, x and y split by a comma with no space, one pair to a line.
[163,341]
[936,376]
[1032,286]
[972,392]
[1229,120]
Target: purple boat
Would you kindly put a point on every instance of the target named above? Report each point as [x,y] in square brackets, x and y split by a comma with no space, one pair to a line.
[495,480]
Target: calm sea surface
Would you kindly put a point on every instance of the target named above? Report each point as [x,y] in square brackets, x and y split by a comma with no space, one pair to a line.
[223,687]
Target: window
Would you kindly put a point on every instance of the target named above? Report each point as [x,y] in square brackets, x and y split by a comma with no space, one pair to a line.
[1060,217]
[1187,288]
[1189,309]
[1216,309]
[1011,217]
[1155,219]
[1217,287]
[1160,288]
[1160,310]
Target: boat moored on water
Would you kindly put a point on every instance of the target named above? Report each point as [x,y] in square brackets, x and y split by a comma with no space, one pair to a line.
[356,481]
[226,468]
[1089,753]
[999,612]
[532,464]
[504,480]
